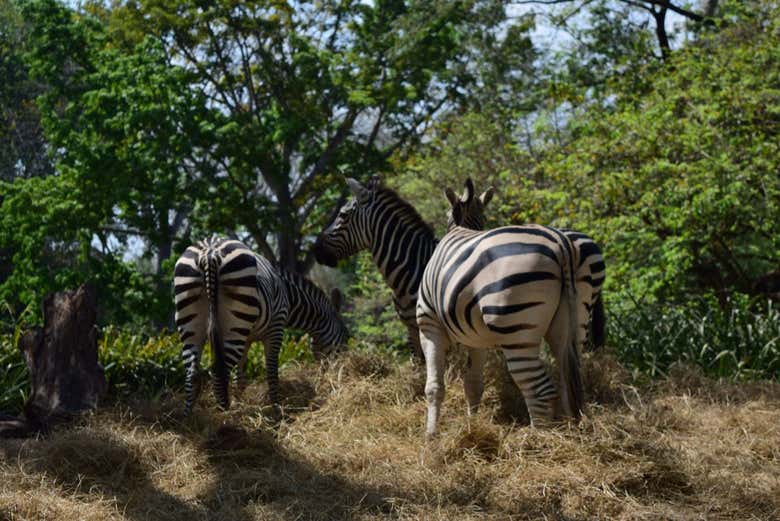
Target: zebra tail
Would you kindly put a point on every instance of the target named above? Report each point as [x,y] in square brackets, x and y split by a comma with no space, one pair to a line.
[597,324]
[211,281]
[570,365]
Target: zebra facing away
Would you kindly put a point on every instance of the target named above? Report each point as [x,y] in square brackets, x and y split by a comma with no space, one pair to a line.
[508,287]
[226,293]
[401,243]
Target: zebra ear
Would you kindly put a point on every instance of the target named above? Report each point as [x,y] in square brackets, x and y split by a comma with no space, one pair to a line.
[468,193]
[451,197]
[486,196]
[375,182]
[360,191]
[336,298]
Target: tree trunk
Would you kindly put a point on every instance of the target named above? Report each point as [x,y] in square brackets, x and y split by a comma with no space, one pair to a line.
[660,31]
[65,375]
[164,247]
[288,234]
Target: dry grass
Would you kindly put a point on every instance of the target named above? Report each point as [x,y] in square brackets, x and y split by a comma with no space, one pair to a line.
[350,446]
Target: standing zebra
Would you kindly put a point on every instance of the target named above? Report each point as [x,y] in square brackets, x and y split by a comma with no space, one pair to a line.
[507,287]
[226,292]
[400,242]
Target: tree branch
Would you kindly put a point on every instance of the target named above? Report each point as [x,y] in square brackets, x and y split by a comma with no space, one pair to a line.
[333,144]
[262,243]
[413,128]
[661,3]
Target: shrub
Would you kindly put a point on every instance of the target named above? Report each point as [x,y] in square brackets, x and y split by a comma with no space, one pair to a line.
[739,343]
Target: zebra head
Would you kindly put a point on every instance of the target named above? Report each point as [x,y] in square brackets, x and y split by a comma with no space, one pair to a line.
[334,338]
[467,211]
[349,232]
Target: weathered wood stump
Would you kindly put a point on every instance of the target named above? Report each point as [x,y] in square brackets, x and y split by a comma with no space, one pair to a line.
[65,376]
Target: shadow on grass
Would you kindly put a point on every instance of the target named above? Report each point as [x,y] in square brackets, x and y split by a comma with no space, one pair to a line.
[245,473]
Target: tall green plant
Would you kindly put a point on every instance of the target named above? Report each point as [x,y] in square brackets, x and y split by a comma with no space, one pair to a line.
[740,343]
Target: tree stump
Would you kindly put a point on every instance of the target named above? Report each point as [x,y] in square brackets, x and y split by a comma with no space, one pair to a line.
[65,376]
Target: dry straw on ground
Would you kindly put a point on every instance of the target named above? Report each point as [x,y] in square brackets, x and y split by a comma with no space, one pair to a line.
[350,446]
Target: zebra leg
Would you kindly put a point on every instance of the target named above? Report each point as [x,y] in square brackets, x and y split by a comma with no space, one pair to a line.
[473,382]
[434,342]
[530,375]
[559,336]
[273,344]
[240,377]
[414,345]
[191,353]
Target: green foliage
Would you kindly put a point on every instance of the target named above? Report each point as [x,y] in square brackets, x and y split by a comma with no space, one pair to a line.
[14,374]
[136,363]
[677,179]
[373,319]
[150,365]
[472,145]
[740,343]
[680,183]
[22,147]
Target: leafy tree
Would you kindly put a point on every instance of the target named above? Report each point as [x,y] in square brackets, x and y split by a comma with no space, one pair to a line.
[22,147]
[680,182]
[127,134]
[677,180]
[302,92]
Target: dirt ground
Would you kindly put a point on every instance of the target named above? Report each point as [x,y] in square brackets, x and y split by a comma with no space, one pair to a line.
[350,446]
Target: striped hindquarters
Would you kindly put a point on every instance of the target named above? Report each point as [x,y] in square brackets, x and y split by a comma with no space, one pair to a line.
[497,287]
[221,294]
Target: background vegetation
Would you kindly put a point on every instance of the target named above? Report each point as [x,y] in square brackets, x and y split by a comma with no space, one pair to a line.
[131,129]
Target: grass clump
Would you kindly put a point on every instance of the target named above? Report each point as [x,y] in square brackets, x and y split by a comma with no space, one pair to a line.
[741,342]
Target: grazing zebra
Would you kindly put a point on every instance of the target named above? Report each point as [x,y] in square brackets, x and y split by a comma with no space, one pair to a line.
[401,244]
[312,311]
[507,287]
[232,296]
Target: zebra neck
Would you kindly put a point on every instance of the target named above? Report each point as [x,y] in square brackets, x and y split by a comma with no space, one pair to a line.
[401,250]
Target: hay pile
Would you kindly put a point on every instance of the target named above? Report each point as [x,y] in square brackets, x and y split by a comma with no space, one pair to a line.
[350,446]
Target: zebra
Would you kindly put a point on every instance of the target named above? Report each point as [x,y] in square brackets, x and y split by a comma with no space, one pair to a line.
[310,310]
[227,293]
[401,244]
[508,287]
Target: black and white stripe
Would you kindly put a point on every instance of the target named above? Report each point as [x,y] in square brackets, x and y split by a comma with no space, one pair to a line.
[312,311]
[309,310]
[243,300]
[232,296]
[401,244]
[509,287]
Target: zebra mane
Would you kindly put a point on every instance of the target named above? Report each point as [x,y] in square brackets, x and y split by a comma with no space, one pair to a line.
[406,211]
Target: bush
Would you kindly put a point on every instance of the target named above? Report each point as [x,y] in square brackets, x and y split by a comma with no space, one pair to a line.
[149,365]
[740,343]
[13,369]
